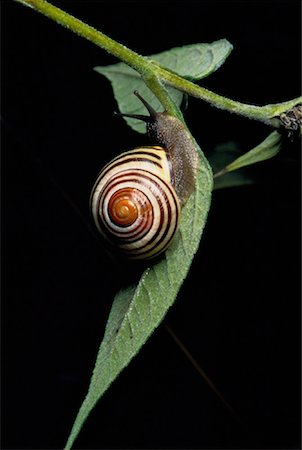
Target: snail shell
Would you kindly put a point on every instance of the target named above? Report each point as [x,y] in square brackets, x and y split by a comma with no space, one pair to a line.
[134,204]
[137,197]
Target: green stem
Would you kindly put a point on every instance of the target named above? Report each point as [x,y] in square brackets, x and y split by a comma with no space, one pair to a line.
[155,76]
[267,114]
[156,86]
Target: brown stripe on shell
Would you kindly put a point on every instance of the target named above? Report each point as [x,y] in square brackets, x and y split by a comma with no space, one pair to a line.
[127,161]
[168,219]
[137,250]
[109,187]
[167,229]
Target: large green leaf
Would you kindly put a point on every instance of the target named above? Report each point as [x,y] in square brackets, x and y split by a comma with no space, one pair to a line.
[191,61]
[137,311]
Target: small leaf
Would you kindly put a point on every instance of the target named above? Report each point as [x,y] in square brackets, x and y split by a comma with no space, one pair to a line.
[137,311]
[195,61]
[223,170]
[266,150]
[219,158]
[192,61]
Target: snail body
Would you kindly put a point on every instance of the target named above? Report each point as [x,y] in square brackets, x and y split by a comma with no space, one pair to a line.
[137,198]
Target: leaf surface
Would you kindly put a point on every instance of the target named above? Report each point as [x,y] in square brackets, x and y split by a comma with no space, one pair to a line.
[195,61]
[138,310]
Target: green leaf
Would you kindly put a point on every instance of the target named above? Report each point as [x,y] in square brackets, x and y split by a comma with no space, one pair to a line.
[137,311]
[219,161]
[192,61]
[266,150]
[195,61]
[222,155]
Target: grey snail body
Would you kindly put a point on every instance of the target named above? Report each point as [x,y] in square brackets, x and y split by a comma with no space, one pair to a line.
[137,198]
[169,132]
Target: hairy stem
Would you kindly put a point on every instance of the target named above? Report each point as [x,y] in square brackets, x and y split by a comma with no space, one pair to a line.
[155,76]
[267,114]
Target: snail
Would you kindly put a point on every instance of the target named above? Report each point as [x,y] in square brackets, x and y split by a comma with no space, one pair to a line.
[137,198]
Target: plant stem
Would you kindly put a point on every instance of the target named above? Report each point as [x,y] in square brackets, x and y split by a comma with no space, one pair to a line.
[267,114]
[156,86]
[154,75]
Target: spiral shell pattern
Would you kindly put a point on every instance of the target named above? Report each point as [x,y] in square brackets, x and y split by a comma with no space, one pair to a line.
[134,204]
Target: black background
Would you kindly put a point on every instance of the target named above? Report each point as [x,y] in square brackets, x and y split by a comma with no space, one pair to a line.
[239,309]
